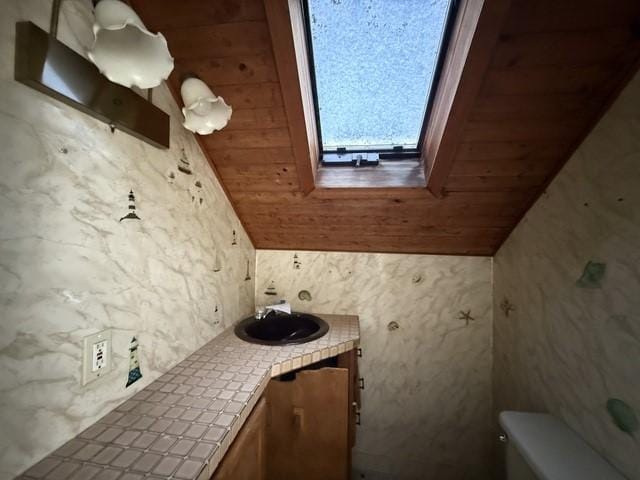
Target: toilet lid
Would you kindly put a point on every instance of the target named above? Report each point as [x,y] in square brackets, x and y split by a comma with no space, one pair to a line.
[553,450]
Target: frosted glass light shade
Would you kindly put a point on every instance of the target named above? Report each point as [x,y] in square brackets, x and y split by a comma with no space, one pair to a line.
[125,51]
[203,111]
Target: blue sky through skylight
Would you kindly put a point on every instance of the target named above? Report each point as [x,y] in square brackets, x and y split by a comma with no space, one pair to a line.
[374,62]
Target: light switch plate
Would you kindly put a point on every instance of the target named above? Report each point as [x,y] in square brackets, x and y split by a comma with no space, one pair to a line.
[96,357]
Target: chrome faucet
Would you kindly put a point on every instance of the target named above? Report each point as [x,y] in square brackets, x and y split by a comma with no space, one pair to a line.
[283,306]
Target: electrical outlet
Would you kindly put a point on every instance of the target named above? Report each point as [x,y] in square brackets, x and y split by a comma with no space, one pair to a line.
[98,356]
[96,359]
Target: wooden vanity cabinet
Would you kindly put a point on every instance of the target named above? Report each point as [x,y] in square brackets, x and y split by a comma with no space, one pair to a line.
[311,423]
[303,427]
[246,458]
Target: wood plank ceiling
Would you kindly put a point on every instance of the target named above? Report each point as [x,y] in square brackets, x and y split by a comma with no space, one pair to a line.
[552,69]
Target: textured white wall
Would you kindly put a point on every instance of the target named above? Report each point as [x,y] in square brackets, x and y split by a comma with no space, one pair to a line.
[69,269]
[566,349]
[426,406]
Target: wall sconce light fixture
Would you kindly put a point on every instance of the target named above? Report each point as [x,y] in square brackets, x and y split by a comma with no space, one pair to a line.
[125,51]
[203,111]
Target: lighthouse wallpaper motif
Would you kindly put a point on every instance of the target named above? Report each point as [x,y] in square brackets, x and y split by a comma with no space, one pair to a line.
[134,364]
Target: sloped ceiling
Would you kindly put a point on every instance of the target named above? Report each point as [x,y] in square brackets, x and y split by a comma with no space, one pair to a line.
[551,70]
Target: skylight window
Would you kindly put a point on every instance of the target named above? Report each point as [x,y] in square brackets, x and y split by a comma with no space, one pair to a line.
[374,63]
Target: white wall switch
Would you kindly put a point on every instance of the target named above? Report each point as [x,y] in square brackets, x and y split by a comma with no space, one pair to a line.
[96,359]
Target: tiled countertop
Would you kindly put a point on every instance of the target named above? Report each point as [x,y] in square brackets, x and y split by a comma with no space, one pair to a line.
[181,425]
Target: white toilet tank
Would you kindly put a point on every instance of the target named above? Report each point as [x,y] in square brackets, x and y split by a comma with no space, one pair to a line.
[541,447]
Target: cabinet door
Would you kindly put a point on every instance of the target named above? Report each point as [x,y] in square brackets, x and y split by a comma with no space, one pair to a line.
[308,426]
[246,459]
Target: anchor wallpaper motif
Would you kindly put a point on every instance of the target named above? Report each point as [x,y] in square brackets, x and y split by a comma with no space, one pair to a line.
[69,268]
[571,344]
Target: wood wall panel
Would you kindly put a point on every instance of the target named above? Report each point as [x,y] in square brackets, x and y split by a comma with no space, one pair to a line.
[232,70]
[288,39]
[549,79]
[256,118]
[475,33]
[263,95]
[219,40]
[539,74]
[548,107]
[521,131]
[548,82]
[482,183]
[528,16]
[171,14]
[249,138]
[390,221]
[503,167]
[456,204]
[566,48]
[253,156]
[516,151]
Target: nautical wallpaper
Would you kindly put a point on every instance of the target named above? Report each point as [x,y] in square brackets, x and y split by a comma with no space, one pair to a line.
[101,231]
[567,294]
[425,324]
[69,267]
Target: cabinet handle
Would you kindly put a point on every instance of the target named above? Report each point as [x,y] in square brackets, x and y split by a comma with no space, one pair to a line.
[356,412]
[359,352]
[361,383]
[298,418]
